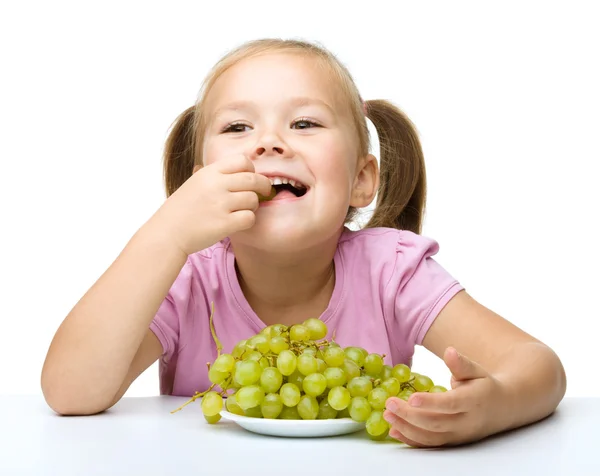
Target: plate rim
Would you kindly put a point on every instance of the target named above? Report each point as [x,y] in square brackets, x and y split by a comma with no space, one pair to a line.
[278,422]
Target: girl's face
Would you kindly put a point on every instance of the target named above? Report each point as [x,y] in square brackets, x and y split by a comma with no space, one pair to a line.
[283,112]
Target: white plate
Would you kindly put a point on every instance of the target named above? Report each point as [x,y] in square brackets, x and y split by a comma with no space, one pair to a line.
[295,428]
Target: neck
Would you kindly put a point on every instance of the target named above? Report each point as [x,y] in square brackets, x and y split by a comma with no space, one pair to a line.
[287,288]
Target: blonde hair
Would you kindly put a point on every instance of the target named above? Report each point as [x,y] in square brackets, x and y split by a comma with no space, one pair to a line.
[402,190]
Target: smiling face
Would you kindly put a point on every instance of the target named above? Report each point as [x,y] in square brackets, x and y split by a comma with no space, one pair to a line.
[285,113]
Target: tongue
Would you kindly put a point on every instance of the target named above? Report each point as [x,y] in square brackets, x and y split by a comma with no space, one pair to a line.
[284,194]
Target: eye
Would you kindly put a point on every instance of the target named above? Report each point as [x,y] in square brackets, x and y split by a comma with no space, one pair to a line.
[235,127]
[305,124]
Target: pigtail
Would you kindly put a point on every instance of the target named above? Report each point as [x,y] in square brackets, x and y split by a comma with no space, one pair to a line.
[402,189]
[179,158]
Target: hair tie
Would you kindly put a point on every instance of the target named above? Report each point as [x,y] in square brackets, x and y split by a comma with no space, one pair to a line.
[364,103]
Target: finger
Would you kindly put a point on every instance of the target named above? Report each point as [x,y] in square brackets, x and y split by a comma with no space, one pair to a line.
[237,163]
[242,220]
[249,181]
[242,201]
[462,367]
[404,439]
[417,435]
[431,421]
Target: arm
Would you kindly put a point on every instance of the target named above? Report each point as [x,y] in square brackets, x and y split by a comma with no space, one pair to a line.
[104,342]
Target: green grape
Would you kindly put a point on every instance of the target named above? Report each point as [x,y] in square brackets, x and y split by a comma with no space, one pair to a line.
[314,384]
[344,413]
[359,409]
[212,403]
[356,355]
[324,395]
[335,377]
[277,344]
[381,437]
[326,411]
[307,364]
[271,380]
[391,386]
[299,333]
[259,342]
[224,363]
[308,408]
[373,364]
[250,396]
[377,398]
[310,350]
[339,398]
[321,365]
[334,356]
[290,394]
[254,412]
[296,378]
[386,372]
[217,377]
[438,389]
[252,355]
[212,419]
[422,383]
[351,368]
[278,329]
[364,352]
[264,363]
[404,394]
[239,349]
[232,406]
[286,362]
[316,327]
[360,386]
[289,413]
[401,372]
[376,424]
[271,406]
[247,372]
[267,331]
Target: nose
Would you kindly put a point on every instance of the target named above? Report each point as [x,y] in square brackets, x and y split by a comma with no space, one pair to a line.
[271,144]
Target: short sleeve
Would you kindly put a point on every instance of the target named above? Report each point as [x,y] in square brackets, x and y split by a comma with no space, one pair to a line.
[166,322]
[419,288]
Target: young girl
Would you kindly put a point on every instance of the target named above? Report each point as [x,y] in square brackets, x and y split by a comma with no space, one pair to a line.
[287,114]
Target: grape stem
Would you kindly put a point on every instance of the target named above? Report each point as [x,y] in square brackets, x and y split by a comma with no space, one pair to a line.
[196,396]
[212,330]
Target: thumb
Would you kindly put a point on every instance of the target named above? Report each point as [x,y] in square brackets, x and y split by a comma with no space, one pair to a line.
[462,367]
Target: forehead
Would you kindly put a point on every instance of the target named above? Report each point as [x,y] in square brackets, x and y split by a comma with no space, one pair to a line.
[271,79]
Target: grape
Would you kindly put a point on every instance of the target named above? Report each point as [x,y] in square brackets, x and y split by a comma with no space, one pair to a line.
[326,411]
[296,378]
[404,394]
[254,412]
[286,362]
[437,389]
[232,406]
[290,394]
[271,406]
[278,329]
[356,355]
[373,364]
[359,409]
[376,424]
[339,398]
[351,368]
[217,377]
[360,386]
[264,363]
[377,398]
[212,404]
[391,386]
[289,413]
[317,329]
[310,350]
[308,408]
[212,419]
[277,344]
[335,377]
[307,364]
[401,373]
[267,331]
[247,372]
[381,437]
[314,384]
[299,333]
[239,349]
[343,413]
[271,380]
[250,396]
[252,355]
[334,356]
[321,365]
[224,363]
[386,373]
[260,343]
[422,383]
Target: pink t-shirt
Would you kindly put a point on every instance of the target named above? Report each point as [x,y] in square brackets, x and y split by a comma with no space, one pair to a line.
[388,291]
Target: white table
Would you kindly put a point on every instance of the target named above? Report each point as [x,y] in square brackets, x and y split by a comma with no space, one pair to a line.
[139,436]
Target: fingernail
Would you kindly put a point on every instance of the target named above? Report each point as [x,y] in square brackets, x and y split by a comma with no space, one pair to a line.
[414,401]
[392,406]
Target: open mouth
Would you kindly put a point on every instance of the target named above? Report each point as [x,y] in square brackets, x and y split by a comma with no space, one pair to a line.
[283,184]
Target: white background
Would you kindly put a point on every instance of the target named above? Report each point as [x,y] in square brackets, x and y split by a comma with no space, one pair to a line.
[506,100]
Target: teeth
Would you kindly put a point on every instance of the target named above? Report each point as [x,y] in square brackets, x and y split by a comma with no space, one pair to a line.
[282,180]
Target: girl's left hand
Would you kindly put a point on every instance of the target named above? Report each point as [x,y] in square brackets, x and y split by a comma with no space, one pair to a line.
[461,415]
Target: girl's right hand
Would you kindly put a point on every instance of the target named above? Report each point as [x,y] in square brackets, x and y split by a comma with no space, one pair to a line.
[216,201]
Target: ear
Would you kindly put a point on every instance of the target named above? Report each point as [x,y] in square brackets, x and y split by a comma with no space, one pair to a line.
[366,182]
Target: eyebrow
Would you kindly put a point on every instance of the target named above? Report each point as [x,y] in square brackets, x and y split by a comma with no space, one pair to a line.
[299,101]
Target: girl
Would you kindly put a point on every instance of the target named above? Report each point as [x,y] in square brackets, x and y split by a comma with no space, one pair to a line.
[286,115]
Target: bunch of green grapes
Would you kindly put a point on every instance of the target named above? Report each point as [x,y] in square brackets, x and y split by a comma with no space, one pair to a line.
[291,373]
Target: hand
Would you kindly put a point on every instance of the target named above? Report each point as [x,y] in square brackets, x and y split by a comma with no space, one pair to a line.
[458,416]
[216,201]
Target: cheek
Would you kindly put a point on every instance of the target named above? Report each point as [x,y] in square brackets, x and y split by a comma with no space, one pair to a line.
[214,149]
